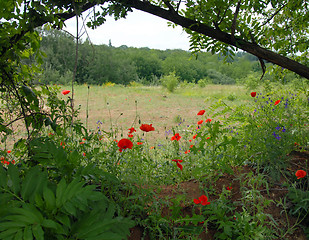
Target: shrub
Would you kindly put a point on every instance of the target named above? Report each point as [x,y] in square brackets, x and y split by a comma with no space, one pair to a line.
[219,78]
[170,82]
[203,82]
[35,207]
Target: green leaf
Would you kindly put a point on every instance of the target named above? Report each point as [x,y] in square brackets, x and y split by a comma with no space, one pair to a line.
[33,183]
[18,235]
[10,224]
[70,208]
[47,223]
[25,219]
[28,233]
[38,201]
[14,182]
[64,219]
[38,232]
[30,95]
[49,198]
[61,187]
[8,234]
[3,178]
[73,188]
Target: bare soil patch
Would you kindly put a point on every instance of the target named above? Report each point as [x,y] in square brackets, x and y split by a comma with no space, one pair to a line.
[192,189]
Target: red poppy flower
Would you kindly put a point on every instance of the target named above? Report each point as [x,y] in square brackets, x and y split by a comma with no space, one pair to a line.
[139,143]
[200,122]
[186,152]
[82,143]
[277,102]
[208,138]
[194,137]
[300,174]
[176,137]
[178,161]
[131,130]
[130,135]
[84,154]
[208,120]
[13,162]
[147,127]
[65,92]
[201,112]
[124,144]
[253,94]
[191,146]
[9,151]
[229,188]
[202,200]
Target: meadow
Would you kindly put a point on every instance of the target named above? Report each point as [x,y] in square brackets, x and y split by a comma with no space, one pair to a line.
[120,107]
[139,162]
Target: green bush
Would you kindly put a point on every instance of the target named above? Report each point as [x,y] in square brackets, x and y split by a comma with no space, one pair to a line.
[170,82]
[203,82]
[34,207]
[219,78]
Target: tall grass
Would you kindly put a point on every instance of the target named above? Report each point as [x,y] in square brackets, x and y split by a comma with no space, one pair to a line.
[118,106]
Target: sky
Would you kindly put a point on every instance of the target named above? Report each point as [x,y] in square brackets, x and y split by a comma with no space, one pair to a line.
[138,29]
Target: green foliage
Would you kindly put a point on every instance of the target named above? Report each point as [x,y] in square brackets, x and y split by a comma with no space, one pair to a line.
[33,207]
[269,32]
[300,200]
[170,81]
[219,78]
[123,65]
[220,214]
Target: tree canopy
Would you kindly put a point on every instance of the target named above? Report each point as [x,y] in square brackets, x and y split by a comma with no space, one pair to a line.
[272,30]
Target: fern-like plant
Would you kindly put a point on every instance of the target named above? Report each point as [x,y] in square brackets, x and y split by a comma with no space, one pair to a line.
[34,207]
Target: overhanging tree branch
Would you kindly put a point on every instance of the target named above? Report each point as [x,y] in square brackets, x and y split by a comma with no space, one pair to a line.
[221,36]
[193,25]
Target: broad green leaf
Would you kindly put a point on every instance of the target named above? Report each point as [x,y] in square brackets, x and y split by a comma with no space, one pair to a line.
[64,219]
[18,235]
[3,178]
[60,191]
[10,224]
[8,234]
[35,211]
[70,208]
[49,198]
[39,201]
[13,174]
[38,232]
[29,212]
[33,183]
[108,236]
[28,233]
[21,219]
[73,188]
[47,223]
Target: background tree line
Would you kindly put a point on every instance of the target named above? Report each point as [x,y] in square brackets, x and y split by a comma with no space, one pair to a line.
[99,64]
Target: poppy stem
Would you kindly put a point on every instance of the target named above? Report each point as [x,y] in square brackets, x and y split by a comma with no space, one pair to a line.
[87,108]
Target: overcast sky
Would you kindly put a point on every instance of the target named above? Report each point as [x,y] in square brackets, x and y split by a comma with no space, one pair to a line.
[138,29]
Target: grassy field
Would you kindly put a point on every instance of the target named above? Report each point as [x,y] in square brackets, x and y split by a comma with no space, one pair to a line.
[123,107]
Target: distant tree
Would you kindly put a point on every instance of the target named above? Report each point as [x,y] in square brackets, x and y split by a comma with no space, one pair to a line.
[276,32]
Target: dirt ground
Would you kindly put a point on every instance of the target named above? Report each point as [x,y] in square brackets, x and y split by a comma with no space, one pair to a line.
[192,189]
